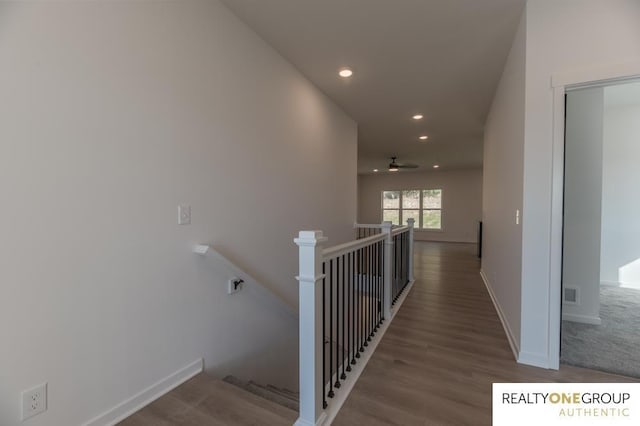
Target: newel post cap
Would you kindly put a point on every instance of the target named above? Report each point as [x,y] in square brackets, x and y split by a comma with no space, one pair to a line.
[310,238]
[411,221]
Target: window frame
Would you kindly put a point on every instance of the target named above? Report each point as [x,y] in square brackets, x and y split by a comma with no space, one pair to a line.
[419,223]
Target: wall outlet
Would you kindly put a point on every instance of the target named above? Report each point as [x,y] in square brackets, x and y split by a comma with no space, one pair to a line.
[184,214]
[34,401]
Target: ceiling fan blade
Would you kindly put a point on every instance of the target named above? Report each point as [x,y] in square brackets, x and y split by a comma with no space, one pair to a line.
[407,166]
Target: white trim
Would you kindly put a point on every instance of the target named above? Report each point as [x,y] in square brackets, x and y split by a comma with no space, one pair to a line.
[584,319]
[399,230]
[321,421]
[560,82]
[339,250]
[513,343]
[555,231]
[533,359]
[147,396]
[611,283]
[596,75]
[341,396]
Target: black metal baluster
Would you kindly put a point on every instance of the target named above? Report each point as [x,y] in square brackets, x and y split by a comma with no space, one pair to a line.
[399,260]
[377,285]
[353,307]
[371,293]
[404,260]
[382,282]
[382,275]
[393,272]
[350,313]
[369,298]
[330,394]
[408,261]
[361,307]
[401,264]
[337,384]
[324,364]
[342,351]
[365,330]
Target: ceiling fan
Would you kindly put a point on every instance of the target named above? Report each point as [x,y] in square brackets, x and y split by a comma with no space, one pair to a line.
[394,167]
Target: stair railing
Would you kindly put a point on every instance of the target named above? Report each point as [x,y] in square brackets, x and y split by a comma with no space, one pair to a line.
[348,295]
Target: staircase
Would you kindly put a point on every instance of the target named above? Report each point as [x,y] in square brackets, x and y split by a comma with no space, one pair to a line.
[284,397]
[207,401]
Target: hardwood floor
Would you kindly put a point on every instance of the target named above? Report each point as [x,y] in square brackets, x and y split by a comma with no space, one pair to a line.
[444,349]
[206,401]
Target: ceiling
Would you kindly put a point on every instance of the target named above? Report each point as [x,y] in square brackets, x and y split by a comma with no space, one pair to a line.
[441,58]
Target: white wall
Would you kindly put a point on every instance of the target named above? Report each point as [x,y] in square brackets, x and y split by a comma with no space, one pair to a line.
[502,188]
[620,261]
[461,200]
[562,36]
[111,114]
[583,203]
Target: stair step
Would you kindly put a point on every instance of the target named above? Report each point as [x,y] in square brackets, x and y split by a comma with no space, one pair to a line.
[285,392]
[265,392]
[273,396]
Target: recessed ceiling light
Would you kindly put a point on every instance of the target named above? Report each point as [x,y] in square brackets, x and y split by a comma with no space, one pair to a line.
[418,117]
[424,138]
[345,73]
[375,170]
[436,166]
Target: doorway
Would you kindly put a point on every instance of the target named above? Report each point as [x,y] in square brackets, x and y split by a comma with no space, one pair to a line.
[601,229]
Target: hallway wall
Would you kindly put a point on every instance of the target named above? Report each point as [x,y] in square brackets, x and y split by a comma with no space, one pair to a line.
[502,196]
[112,113]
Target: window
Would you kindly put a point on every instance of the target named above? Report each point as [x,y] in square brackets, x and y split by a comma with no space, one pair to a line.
[422,205]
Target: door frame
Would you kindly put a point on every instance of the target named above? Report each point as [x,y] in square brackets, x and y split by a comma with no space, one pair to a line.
[561,84]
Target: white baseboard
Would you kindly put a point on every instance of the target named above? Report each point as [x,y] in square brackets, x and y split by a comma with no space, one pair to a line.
[513,343]
[584,319]
[535,360]
[321,421]
[146,396]
[610,283]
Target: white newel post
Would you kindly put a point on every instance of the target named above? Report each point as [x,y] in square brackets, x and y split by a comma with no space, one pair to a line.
[411,223]
[388,249]
[311,339]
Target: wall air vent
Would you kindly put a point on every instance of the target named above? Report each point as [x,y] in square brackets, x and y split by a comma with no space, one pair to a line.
[570,295]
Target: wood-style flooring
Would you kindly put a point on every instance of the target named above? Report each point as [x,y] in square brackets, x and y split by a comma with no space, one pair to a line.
[443,350]
[206,401]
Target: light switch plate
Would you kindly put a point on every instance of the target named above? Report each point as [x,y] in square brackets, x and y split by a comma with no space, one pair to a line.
[184,214]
